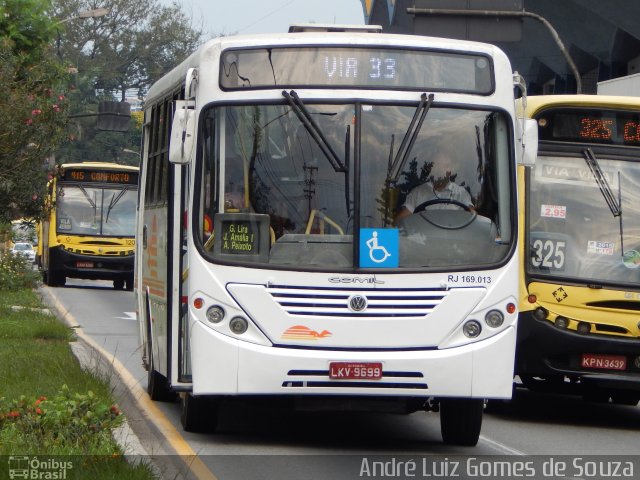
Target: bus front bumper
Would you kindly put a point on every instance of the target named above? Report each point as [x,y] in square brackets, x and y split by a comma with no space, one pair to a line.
[94,267]
[544,351]
[222,365]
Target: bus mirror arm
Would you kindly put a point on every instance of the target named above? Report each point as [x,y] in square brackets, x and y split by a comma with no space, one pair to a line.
[528,134]
[182,133]
[529,143]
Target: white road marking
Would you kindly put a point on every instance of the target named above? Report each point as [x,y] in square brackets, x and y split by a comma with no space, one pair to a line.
[128,316]
[501,447]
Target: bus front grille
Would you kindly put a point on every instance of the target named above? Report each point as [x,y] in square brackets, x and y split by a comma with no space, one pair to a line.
[355,302]
[320,379]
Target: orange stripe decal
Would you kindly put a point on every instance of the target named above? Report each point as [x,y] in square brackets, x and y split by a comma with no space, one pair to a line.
[300,332]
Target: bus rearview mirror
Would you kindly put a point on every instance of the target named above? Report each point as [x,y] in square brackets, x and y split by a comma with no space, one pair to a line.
[182,133]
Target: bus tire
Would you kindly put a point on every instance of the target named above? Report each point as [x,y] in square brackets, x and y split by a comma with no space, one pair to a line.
[55,278]
[461,420]
[199,414]
[118,284]
[128,284]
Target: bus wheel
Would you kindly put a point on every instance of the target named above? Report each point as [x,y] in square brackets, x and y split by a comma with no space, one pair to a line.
[199,414]
[118,284]
[461,420]
[129,284]
[56,278]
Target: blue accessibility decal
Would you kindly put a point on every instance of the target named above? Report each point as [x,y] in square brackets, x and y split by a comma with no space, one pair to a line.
[379,247]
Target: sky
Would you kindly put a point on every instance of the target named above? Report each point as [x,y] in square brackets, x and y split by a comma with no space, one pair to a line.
[267,16]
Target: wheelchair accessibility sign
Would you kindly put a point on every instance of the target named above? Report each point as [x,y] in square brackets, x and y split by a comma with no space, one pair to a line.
[379,247]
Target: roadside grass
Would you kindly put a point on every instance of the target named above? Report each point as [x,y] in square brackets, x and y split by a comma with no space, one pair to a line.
[49,405]
[22,297]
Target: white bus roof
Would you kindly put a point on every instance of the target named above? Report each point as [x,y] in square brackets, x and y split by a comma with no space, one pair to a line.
[211,49]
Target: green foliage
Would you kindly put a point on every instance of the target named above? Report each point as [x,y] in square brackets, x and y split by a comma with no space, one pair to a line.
[117,56]
[16,272]
[35,359]
[89,144]
[76,422]
[25,297]
[25,23]
[25,323]
[33,102]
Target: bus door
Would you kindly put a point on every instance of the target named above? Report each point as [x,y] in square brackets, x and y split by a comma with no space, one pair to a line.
[179,325]
[154,265]
[164,230]
[180,365]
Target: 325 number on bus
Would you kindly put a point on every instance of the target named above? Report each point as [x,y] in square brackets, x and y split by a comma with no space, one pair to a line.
[548,254]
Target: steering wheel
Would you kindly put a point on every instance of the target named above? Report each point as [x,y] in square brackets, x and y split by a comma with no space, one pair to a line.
[449,201]
[437,201]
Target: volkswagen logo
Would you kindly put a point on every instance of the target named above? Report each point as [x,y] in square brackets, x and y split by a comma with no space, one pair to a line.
[357,303]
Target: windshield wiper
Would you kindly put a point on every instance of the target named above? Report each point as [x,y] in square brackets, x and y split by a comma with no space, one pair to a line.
[114,199]
[410,136]
[309,123]
[89,199]
[614,205]
[605,189]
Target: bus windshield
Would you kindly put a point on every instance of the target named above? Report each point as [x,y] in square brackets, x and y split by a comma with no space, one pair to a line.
[573,232]
[95,211]
[309,188]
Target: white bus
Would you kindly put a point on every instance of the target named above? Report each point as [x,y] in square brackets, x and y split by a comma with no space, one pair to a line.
[271,257]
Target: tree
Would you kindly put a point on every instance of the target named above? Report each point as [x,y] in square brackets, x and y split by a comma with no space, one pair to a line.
[33,102]
[116,57]
[131,47]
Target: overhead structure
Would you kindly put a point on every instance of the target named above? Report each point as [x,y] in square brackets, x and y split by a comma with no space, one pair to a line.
[602,39]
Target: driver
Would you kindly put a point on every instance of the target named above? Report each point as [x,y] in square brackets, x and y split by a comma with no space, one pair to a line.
[440,189]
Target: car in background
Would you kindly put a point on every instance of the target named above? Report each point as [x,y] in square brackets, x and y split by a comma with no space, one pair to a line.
[24,249]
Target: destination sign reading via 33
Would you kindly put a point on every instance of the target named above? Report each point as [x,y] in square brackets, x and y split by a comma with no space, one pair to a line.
[348,67]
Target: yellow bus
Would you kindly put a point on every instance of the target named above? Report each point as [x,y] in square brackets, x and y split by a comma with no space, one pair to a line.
[89,227]
[579,329]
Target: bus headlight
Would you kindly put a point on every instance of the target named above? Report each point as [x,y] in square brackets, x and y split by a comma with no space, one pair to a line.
[238,325]
[494,318]
[472,328]
[215,314]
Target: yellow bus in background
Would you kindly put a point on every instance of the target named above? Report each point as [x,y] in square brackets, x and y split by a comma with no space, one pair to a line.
[579,324]
[89,227]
